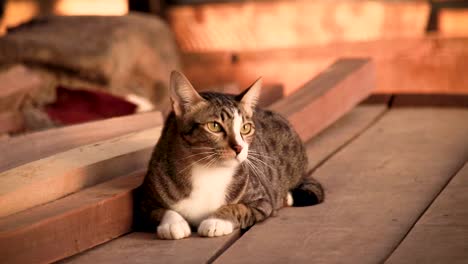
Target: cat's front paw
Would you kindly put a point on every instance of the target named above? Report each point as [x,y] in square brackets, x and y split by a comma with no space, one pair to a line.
[173,226]
[213,227]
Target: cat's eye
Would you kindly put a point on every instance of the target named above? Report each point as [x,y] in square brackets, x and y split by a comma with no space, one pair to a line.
[246,128]
[214,127]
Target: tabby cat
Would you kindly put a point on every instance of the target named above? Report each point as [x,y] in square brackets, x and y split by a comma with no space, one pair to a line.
[221,163]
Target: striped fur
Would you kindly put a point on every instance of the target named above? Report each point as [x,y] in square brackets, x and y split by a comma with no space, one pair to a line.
[201,175]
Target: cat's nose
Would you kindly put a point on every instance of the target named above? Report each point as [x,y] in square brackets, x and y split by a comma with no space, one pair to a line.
[237,148]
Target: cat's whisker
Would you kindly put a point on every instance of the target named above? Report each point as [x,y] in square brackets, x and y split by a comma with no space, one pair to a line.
[212,161]
[255,168]
[209,161]
[257,152]
[259,160]
[196,154]
[196,162]
[262,177]
[260,155]
[202,148]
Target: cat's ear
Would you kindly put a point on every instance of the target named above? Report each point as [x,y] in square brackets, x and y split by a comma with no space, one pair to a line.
[249,98]
[184,97]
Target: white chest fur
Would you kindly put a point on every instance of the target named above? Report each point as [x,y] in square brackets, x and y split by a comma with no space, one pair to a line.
[209,186]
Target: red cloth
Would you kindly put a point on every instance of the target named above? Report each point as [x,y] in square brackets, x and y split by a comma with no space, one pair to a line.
[77,106]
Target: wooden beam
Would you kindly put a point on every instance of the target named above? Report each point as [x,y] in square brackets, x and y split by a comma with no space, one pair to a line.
[202,250]
[454,22]
[324,99]
[441,234]
[260,25]
[53,177]
[69,225]
[432,64]
[377,187]
[30,147]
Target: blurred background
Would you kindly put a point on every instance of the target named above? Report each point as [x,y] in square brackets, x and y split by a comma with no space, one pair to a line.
[104,58]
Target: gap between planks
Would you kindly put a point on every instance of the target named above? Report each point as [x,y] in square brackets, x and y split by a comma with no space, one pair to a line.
[400,253]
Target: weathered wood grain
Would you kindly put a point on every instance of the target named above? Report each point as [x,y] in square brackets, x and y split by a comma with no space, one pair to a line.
[69,225]
[441,234]
[143,248]
[328,96]
[431,64]
[38,145]
[53,177]
[377,187]
[259,25]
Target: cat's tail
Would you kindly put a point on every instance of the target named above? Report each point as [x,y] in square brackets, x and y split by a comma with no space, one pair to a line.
[309,192]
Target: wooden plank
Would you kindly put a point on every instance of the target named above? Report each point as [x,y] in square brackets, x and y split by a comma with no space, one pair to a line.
[441,234]
[342,132]
[144,248]
[377,187]
[431,64]
[10,121]
[38,145]
[30,184]
[15,84]
[249,25]
[69,225]
[324,99]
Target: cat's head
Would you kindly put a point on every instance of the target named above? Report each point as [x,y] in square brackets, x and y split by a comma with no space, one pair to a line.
[219,127]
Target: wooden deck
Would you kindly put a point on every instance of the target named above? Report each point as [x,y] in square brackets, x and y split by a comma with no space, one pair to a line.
[396,184]
[395,170]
